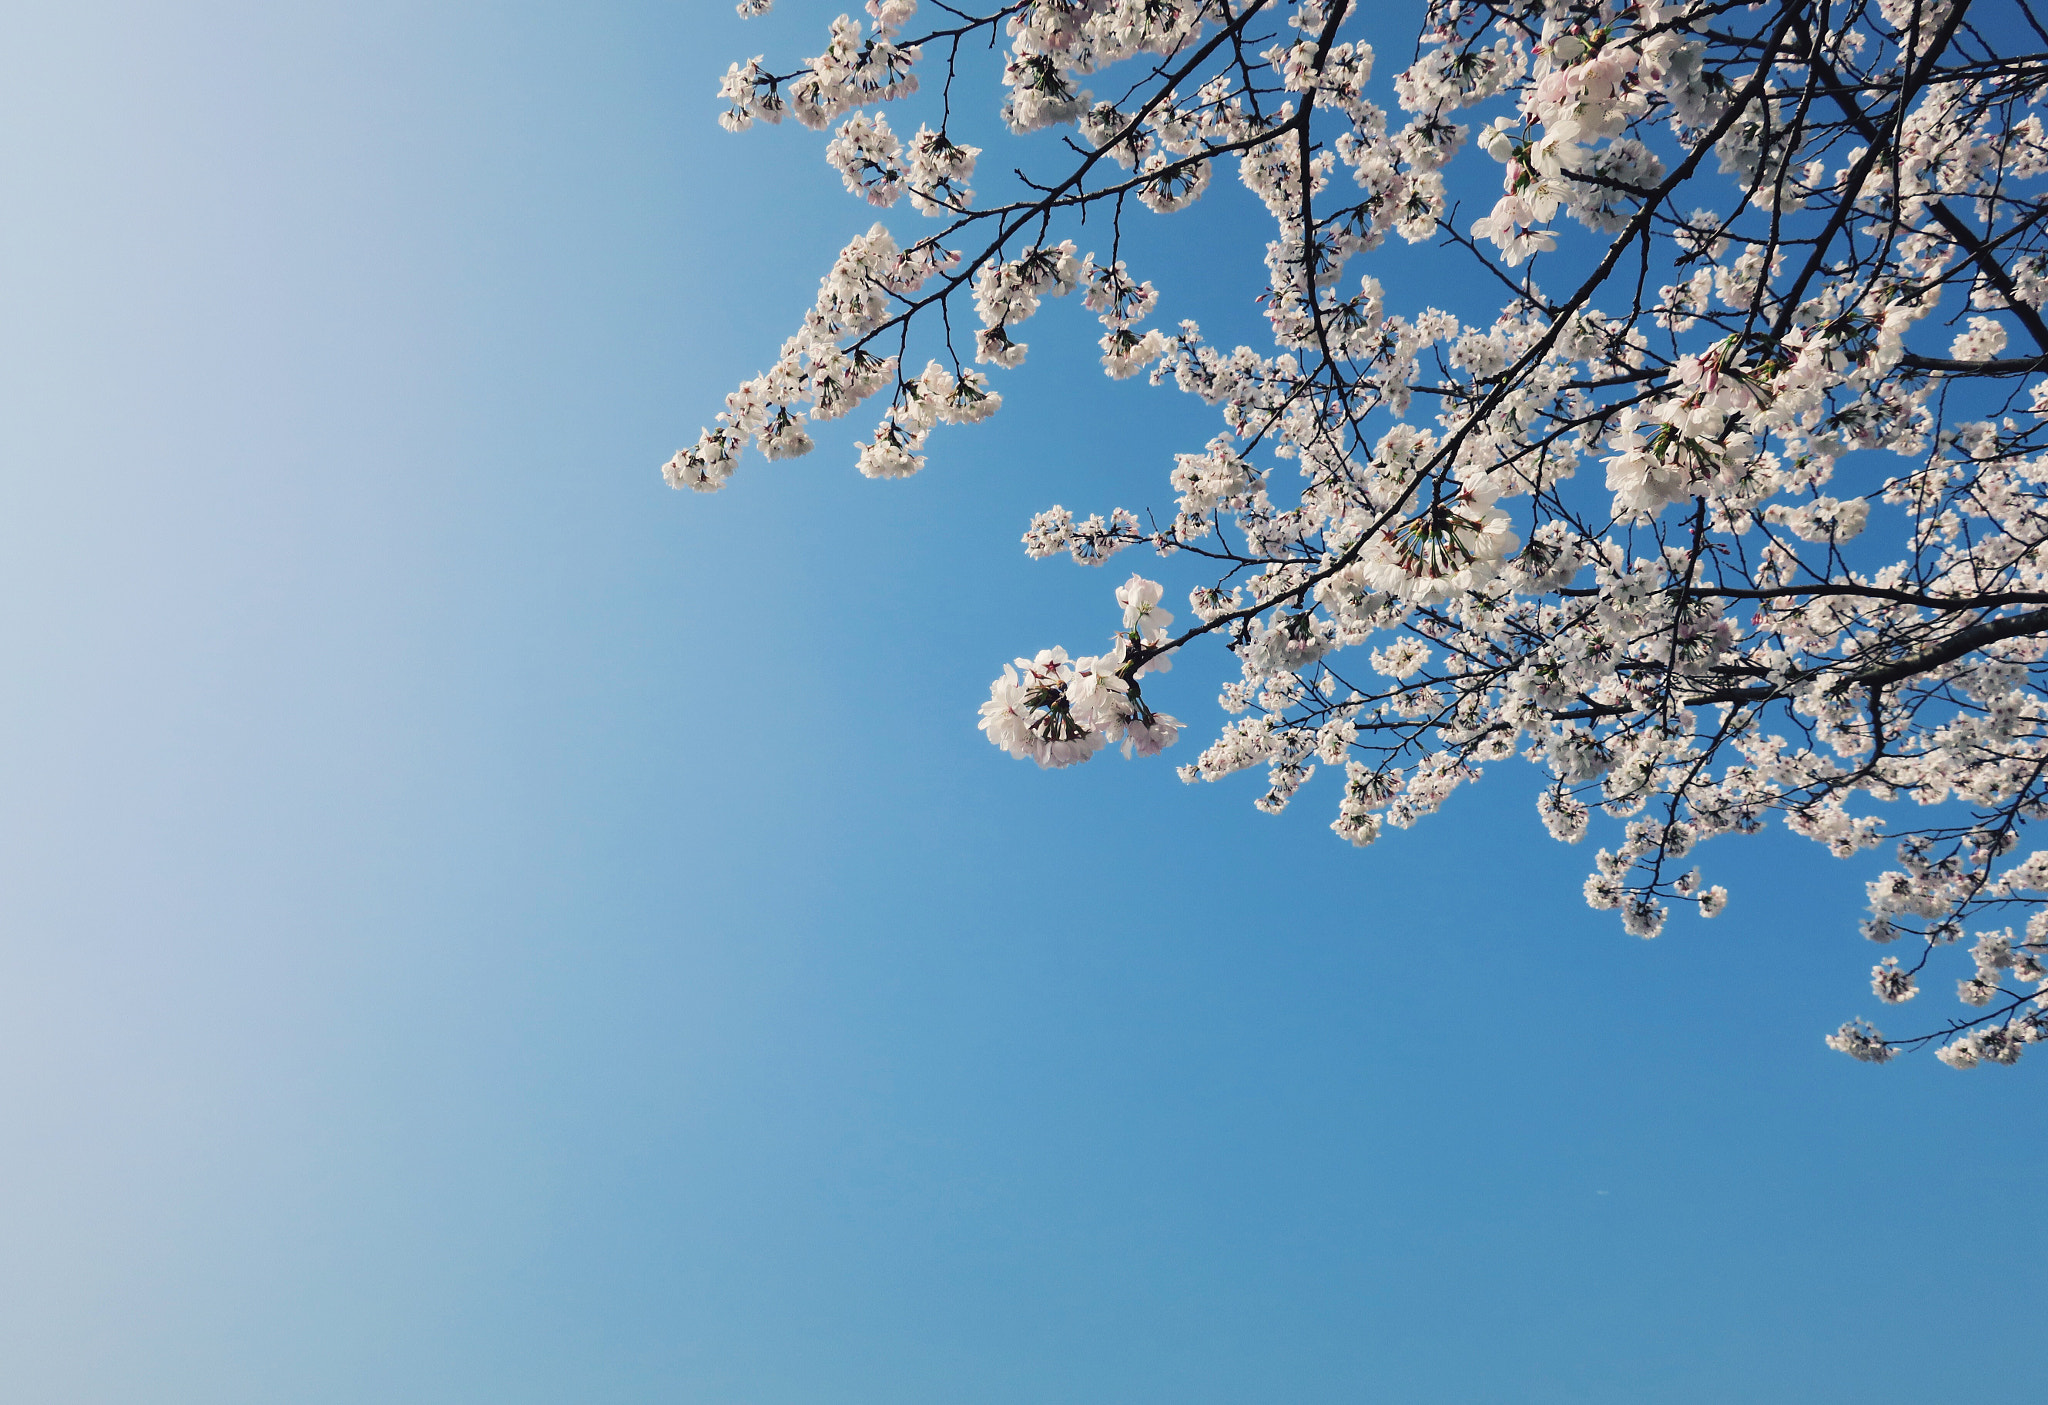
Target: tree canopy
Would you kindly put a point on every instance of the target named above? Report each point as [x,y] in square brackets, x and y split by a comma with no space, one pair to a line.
[1737,509]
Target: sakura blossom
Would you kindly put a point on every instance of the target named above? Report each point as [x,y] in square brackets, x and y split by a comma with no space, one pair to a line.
[1734,514]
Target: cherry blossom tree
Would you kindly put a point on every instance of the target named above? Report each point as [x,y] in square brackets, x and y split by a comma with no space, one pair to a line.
[1744,515]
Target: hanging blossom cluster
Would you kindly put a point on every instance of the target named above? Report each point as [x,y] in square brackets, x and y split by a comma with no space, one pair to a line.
[1735,509]
[1058,711]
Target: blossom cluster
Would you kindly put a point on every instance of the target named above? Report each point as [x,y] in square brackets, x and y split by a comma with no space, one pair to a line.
[1058,711]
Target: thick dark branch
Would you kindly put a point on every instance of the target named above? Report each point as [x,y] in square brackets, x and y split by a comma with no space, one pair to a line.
[2021,366]
[1963,641]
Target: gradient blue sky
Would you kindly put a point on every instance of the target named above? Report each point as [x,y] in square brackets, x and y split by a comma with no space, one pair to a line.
[476,926]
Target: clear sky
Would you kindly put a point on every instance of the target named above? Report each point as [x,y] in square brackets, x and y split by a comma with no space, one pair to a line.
[477,926]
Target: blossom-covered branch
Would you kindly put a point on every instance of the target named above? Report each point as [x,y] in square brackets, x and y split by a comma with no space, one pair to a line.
[1751,521]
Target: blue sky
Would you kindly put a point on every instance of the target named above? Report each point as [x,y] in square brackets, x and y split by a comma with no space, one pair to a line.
[476,926]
